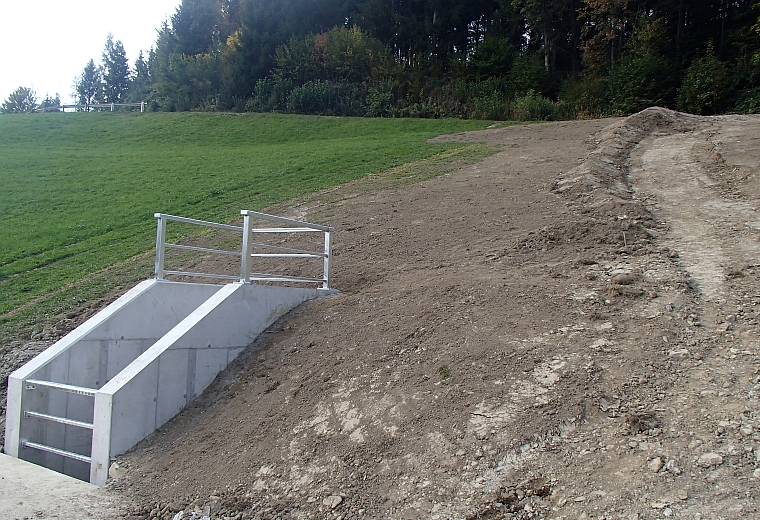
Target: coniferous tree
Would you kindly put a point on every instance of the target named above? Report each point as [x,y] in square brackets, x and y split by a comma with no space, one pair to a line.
[434,58]
[88,85]
[140,83]
[51,104]
[115,71]
[20,101]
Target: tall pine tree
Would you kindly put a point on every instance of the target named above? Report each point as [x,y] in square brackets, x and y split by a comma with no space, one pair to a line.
[88,85]
[115,71]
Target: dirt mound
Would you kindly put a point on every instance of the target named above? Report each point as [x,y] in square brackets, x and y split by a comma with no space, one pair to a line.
[607,165]
[517,339]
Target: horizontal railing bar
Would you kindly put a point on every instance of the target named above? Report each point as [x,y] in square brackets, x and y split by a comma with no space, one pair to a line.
[54,418]
[100,105]
[175,218]
[285,230]
[203,275]
[108,105]
[287,255]
[81,390]
[287,249]
[284,278]
[203,249]
[274,218]
[64,453]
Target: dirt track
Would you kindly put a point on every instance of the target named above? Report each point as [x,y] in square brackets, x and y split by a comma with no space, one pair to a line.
[565,330]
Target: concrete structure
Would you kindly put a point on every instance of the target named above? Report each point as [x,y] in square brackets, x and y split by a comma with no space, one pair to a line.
[130,368]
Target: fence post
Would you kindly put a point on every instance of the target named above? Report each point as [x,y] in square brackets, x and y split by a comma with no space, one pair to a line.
[245,257]
[142,106]
[328,258]
[160,241]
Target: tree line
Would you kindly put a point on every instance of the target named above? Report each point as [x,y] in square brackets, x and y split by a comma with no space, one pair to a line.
[493,59]
[110,81]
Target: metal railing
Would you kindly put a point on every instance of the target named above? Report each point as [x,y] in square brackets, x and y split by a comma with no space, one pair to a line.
[87,107]
[247,253]
[35,384]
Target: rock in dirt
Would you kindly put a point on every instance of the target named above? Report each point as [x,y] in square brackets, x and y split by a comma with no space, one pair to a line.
[673,467]
[332,501]
[655,465]
[708,460]
[115,471]
[678,354]
[622,279]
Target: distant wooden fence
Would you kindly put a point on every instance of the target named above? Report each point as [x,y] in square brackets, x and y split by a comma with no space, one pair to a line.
[86,108]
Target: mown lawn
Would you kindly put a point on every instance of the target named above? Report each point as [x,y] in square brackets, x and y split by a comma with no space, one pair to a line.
[78,191]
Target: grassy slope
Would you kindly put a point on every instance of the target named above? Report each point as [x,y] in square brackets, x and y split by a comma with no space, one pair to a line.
[78,191]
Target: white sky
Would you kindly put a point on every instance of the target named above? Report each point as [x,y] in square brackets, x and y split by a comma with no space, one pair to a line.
[45,44]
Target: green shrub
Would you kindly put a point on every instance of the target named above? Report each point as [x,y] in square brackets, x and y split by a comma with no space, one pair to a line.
[380,98]
[270,95]
[490,106]
[639,82]
[534,107]
[749,102]
[704,85]
[528,73]
[586,97]
[328,98]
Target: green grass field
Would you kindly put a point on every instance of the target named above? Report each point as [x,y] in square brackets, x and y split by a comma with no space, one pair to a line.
[78,191]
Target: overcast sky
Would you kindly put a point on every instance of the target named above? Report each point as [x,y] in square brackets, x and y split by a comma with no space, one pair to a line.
[45,44]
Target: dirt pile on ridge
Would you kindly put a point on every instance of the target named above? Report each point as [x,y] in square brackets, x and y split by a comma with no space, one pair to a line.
[517,339]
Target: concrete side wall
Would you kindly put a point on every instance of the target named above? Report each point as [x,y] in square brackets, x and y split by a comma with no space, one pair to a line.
[88,357]
[179,366]
[112,344]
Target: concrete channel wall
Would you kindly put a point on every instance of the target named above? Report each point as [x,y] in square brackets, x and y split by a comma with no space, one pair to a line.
[177,368]
[142,359]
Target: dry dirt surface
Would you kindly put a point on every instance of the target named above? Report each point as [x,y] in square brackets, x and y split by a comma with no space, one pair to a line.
[566,330]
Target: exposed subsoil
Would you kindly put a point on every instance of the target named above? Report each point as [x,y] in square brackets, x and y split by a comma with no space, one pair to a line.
[568,329]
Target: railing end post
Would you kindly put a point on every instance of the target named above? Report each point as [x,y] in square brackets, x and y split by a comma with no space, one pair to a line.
[328,258]
[160,245]
[245,253]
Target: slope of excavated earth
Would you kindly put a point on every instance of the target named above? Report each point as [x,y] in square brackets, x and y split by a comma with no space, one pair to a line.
[568,329]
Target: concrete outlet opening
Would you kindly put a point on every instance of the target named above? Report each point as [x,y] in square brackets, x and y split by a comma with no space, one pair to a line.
[130,368]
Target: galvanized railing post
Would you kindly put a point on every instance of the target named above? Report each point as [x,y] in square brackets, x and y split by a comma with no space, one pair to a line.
[160,243]
[328,258]
[245,259]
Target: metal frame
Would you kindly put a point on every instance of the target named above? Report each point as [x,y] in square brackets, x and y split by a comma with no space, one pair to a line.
[246,254]
[31,384]
[88,106]
[56,451]
[61,420]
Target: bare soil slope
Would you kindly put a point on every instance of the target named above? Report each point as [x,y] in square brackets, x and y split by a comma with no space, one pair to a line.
[565,330]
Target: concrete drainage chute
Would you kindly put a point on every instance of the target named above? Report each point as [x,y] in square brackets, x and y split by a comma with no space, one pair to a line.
[130,368]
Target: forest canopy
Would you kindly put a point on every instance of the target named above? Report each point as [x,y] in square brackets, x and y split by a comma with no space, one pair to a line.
[492,59]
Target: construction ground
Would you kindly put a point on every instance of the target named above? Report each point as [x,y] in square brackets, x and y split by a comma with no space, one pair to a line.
[568,329]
